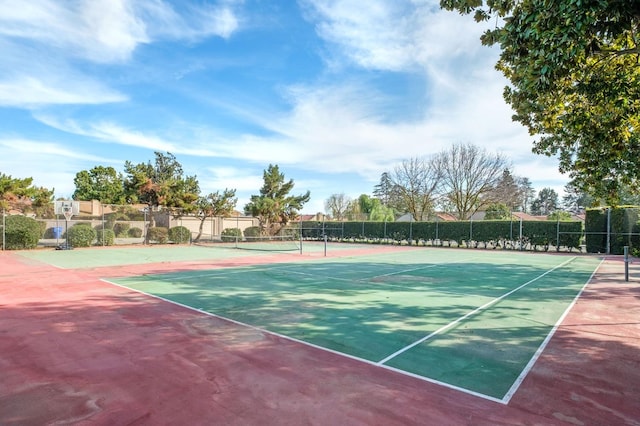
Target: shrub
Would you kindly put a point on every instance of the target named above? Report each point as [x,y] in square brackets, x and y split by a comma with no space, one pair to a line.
[231,234]
[22,232]
[179,234]
[105,237]
[252,231]
[134,232]
[81,235]
[120,229]
[158,234]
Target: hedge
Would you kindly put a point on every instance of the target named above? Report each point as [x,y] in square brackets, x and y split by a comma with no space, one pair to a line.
[80,235]
[536,235]
[158,234]
[105,237]
[22,232]
[624,231]
[231,234]
[180,234]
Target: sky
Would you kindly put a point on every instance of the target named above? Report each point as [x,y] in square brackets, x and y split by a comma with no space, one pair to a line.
[335,92]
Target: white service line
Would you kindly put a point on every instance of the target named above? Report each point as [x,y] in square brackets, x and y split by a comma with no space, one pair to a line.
[468,314]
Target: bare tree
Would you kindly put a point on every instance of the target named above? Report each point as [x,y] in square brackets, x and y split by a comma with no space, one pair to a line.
[417,181]
[337,205]
[469,177]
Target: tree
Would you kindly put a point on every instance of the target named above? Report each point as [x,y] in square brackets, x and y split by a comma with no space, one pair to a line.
[274,207]
[361,207]
[574,72]
[417,181]
[497,211]
[337,205]
[575,200]
[469,177]
[546,203]
[507,191]
[527,194]
[20,194]
[161,184]
[381,213]
[100,183]
[215,204]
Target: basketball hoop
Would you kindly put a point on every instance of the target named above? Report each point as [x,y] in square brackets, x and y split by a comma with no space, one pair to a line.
[67,208]
[67,212]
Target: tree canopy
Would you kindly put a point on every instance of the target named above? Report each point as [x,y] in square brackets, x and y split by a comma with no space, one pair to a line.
[416,182]
[215,204]
[337,205]
[100,183]
[469,177]
[274,207]
[20,194]
[161,184]
[574,73]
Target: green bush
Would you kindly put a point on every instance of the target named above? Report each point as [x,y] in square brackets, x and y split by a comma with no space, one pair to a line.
[134,232]
[22,232]
[120,229]
[81,235]
[179,234]
[231,234]
[252,232]
[105,237]
[159,234]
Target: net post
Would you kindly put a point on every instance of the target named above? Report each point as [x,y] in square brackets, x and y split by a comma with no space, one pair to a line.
[626,263]
[325,245]
[4,227]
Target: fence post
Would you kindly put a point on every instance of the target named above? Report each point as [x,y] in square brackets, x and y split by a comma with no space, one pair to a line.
[521,245]
[4,227]
[102,211]
[558,233]
[411,230]
[626,263]
[609,230]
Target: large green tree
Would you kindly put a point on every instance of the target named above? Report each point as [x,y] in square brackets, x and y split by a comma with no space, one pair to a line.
[546,202]
[20,195]
[274,207]
[100,183]
[574,73]
[161,183]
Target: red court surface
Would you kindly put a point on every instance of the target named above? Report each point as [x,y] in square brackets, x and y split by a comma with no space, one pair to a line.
[78,350]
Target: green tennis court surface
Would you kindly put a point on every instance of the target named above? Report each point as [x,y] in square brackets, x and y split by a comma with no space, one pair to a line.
[116,256]
[469,320]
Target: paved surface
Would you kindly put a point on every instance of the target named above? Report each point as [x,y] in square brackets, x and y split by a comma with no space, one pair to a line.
[77,350]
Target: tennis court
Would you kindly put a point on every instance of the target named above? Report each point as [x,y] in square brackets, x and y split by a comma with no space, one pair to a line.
[363,324]
[474,322]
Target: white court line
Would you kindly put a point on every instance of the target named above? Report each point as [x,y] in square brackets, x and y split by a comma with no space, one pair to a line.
[507,397]
[433,265]
[293,339]
[468,314]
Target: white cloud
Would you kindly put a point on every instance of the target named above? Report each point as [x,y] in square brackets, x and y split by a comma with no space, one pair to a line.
[28,91]
[46,44]
[393,36]
[193,22]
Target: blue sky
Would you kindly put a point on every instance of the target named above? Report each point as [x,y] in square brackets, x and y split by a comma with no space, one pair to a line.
[334,92]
